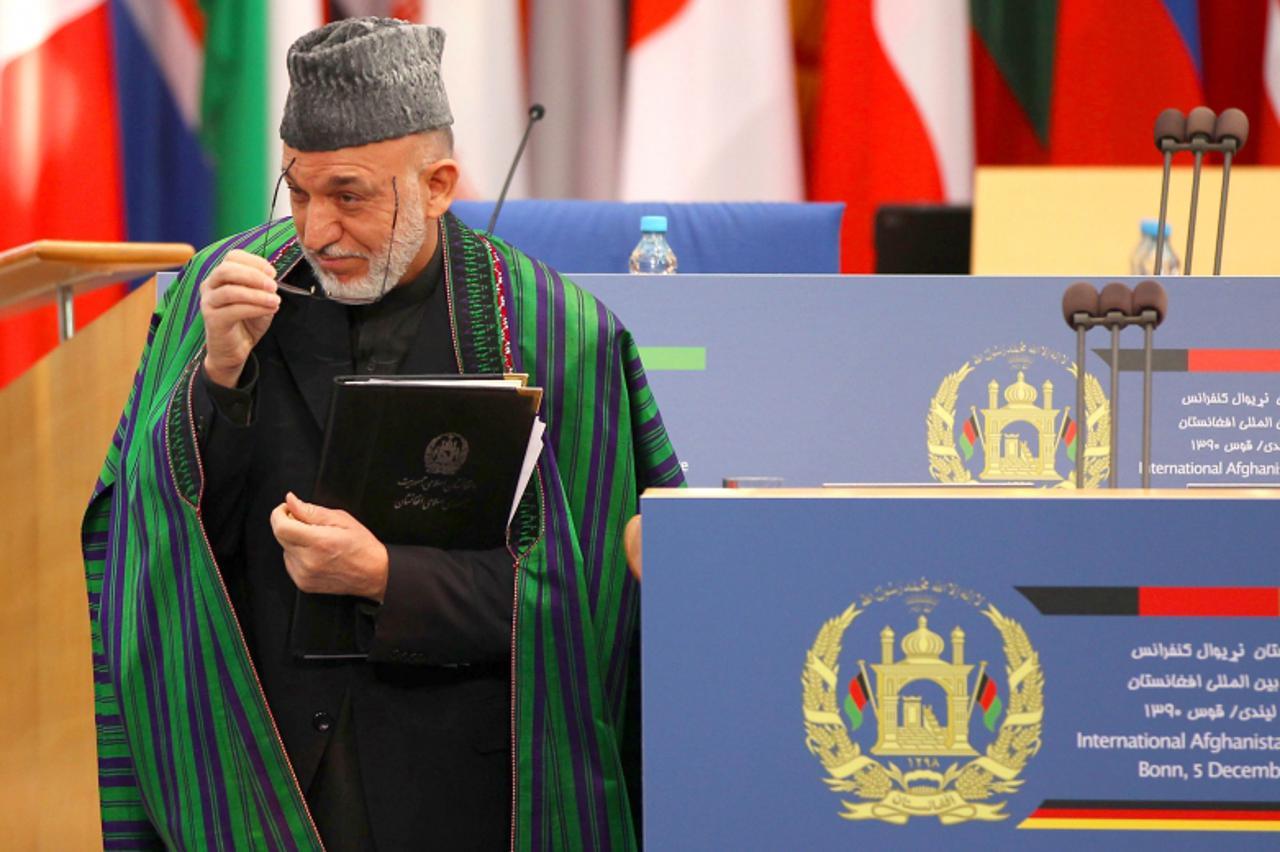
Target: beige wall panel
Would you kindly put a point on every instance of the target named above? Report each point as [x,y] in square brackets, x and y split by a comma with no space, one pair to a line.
[1084,221]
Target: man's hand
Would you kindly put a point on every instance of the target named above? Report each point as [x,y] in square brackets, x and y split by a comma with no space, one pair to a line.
[328,552]
[631,543]
[237,300]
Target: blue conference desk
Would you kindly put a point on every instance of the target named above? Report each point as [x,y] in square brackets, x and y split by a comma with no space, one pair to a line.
[981,669]
[816,379]
[868,379]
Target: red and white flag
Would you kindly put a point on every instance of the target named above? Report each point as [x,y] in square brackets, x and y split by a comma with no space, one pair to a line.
[483,69]
[1269,137]
[895,117]
[711,110]
[59,149]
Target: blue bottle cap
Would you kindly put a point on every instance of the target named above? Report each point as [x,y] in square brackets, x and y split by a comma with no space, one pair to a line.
[1150,227]
[653,224]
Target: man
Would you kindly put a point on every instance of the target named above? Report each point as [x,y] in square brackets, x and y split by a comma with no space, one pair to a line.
[488,711]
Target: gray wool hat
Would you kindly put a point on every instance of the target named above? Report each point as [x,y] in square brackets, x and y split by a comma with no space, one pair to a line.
[363,80]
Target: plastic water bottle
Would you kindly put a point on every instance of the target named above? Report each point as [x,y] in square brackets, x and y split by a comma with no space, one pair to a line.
[653,255]
[1143,261]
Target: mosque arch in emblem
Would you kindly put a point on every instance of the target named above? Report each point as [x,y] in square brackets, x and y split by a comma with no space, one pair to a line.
[1007,454]
[907,724]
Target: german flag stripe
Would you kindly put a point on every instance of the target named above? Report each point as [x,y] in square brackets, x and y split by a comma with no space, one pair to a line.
[1087,814]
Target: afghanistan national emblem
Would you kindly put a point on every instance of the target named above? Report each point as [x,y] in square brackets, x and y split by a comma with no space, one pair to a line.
[926,708]
[1014,432]
[446,454]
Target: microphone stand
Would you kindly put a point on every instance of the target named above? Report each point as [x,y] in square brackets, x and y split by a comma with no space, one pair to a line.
[1167,147]
[1198,146]
[1081,322]
[1147,319]
[1115,319]
[1229,147]
[536,112]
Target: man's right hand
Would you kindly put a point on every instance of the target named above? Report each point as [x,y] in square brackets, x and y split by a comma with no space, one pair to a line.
[237,300]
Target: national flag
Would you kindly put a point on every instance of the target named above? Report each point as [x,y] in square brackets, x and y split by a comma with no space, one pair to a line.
[483,70]
[159,58]
[894,120]
[710,107]
[1067,436]
[59,150]
[969,436]
[245,83]
[576,52]
[989,701]
[1059,81]
[1269,130]
[857,698]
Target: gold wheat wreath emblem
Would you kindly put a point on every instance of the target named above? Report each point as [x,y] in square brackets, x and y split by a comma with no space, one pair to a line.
[960,793]
[945,464]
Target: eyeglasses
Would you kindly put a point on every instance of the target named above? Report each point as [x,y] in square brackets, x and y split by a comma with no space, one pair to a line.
[315,291]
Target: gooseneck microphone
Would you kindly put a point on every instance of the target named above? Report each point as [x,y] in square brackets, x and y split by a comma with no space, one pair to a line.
[536,112]
[1150,305]
[1200,122]
[1116,307]
[1116,304]
[1079,309]
[1231,131]
[1171,130]
[1200,132]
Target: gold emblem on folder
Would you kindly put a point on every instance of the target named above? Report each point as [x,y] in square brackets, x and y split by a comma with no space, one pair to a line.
[1017,431]
[926,702]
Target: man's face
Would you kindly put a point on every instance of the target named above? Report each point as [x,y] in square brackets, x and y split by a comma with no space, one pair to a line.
[343,204]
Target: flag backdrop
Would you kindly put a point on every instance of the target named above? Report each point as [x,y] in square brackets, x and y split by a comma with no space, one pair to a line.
[894,119]
[709,106]
[157,119]
[145,120]
[60,165]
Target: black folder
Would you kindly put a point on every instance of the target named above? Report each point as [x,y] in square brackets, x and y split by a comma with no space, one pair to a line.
[419,460]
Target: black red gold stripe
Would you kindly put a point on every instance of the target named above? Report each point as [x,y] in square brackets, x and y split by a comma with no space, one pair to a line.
[1118,815]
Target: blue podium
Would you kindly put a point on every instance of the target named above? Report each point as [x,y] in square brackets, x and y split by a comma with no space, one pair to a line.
[960,668]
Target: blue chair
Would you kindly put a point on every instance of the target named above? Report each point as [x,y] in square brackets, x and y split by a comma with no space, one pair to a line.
[734,237]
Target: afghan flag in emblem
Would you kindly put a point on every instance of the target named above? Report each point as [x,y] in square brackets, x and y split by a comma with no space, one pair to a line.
[989,701]
[969,436]
[1068,437]
[857,699]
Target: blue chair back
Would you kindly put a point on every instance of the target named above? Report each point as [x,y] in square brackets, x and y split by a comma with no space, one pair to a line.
[733,237]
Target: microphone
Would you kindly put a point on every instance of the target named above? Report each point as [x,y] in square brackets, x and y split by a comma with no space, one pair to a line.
[1079,307]
[1200,124]
[1116,303]
[1231,130]
[536,112]
[1151,304]
[1171,130]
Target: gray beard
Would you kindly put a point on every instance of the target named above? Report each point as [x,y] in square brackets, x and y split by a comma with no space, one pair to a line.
[385,268]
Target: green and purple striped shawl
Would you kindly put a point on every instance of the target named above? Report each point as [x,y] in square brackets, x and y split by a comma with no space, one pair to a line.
[188,754]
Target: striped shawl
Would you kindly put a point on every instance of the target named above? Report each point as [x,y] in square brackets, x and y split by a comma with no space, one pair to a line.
[188,754]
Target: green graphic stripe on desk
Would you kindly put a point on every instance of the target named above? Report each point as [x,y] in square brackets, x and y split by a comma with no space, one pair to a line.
[688,358]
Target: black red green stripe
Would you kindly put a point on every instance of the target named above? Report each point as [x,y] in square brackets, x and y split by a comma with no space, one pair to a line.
[857,699]
[969,436]
[1168,601]
[989,701]
[1067,436]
